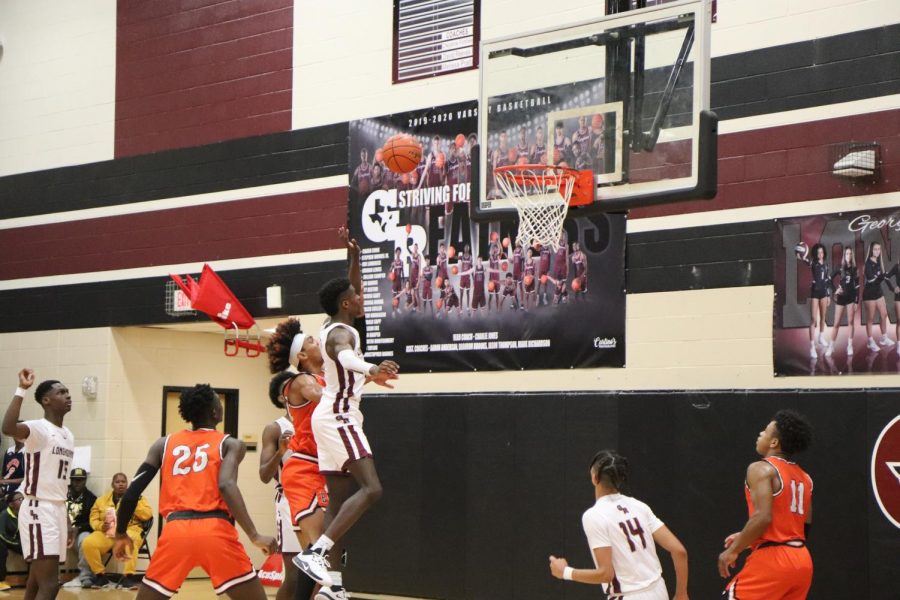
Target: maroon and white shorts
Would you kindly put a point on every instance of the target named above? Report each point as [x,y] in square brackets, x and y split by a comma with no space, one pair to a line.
[43,528]
[340,440]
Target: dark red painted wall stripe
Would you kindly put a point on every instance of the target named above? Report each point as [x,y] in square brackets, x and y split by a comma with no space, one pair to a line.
[196,72]
[778,165]
[284,224]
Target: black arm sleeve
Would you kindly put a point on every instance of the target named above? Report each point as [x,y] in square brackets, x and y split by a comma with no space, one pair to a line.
[128,503]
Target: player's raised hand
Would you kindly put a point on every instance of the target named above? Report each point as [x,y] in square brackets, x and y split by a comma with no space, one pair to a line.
[350,243]
[558,566]
[266,543]
[122,547]
[26,378]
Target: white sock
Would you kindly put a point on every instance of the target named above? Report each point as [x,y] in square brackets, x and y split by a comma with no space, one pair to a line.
[323,543]
[336,579]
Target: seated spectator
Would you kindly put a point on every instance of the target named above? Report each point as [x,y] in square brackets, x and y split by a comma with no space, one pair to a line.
[79,503]
[9,533]
[13,469]
[100,541]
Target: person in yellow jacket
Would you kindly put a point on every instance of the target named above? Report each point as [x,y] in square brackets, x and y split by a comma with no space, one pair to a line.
[103,520]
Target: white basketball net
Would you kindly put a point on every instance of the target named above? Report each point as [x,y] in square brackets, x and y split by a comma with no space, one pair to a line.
[541,196]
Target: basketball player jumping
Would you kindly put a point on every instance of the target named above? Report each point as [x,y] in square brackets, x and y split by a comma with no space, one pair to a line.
[779,498]
[622,533]
[49,449]
[289,452]
[337,426]
[200,500]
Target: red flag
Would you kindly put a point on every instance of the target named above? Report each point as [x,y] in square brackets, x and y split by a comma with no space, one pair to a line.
[212,297]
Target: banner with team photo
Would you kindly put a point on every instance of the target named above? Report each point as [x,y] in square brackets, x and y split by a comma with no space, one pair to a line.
[837,293]
[443,293]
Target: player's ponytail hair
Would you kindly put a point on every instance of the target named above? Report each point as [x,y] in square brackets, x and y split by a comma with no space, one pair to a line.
[610,468]
[276,386]
[279,346]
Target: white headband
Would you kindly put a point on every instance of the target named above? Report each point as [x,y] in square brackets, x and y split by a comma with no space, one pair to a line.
[296,347]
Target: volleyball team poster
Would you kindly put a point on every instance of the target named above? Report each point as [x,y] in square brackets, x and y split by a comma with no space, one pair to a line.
[445,294]
[834,274]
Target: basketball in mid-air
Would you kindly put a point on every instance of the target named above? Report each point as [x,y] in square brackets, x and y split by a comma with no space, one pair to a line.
[401,153]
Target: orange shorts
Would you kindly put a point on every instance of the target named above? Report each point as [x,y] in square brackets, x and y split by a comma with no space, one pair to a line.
[773,573]
[211,544]
[304,487]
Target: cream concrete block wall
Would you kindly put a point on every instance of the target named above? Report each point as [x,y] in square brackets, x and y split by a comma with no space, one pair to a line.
[145,360]
[342,56]
[69,355]
[57,83]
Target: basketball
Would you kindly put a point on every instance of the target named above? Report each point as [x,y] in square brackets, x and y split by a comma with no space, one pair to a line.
[401,153]
[454,269]
[576,284]
[543,279]
[491,286]
[529,280]
[451,252]
[439,281]
[460,140]
[392,276]
[597,121]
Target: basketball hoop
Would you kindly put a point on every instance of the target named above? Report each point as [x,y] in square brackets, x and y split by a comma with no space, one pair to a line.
[542,195]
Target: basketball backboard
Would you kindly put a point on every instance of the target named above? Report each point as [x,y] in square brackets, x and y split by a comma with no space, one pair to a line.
[626,96]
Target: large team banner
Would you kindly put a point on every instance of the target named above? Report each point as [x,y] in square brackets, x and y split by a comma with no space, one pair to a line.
[837,293]
[443,293]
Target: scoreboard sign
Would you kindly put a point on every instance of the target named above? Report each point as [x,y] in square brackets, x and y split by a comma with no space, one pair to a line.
[434,37]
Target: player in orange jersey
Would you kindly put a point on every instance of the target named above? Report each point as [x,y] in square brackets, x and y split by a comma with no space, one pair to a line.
[779,497]
[200,501]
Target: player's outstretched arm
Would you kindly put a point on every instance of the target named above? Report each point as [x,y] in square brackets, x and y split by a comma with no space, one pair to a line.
[232,454]
[123,546]
[339,347]
[665,538]
[274,445]
[353,272]
[10,427]
[603,573]
[759,480]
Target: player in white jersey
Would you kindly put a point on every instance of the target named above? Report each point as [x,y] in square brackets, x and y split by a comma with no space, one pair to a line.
[274,452]
[49,449]
[337,426]
[622,533]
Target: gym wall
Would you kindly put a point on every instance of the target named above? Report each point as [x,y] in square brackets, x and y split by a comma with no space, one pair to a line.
[137,140]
